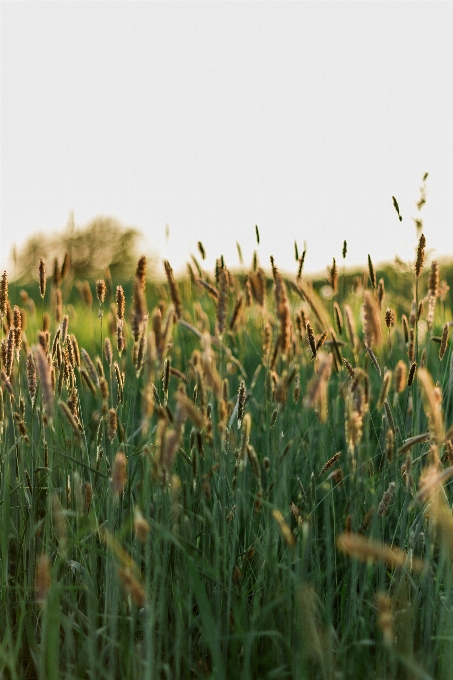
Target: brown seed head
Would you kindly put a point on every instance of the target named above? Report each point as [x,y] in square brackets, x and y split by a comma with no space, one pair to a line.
[120,302]
[389,318]
[386,499]
[411,376]
[420,256]
[338,317]
[330,462]
[112,424]
[333,278]
[31,377]
[120,341]
[58,306]
[371,272]
[311,338]
[222,302]
[4,295]
[174,290]
[42,277]
[241,403]
[140,273]
[433,285]
[65,267]
[380,292]
[86,294]
[444,341]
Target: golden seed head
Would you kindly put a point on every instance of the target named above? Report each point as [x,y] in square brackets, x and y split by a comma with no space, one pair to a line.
[101,290]
[119,473]
[42,578]
[90,366]
[372,324]
[400,376]
[385,617]
[108,353]
[88,496]
[133,587]
[284,528]
[141,526]
[104,388]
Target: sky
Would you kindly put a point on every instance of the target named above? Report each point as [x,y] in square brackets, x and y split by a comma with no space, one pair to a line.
[206,118]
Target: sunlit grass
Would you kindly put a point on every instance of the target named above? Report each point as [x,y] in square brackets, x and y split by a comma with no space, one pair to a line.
[256,487]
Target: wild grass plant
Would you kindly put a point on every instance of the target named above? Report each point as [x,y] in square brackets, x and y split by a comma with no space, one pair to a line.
[226,476]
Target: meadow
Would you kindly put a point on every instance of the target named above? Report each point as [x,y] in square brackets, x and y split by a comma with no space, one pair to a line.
[230,475]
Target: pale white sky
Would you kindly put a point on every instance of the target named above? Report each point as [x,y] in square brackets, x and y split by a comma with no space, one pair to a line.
[213,116]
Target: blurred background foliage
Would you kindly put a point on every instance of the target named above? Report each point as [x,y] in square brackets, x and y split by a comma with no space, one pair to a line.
[103,243]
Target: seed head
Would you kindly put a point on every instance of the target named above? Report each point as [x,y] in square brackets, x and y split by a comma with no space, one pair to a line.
[241,403]
[119,473]
[420,256]
[174,291]
[433,285]
[31,377]
[112,424]
[42,277]
[444,341]
[4,295]
[140,273]
[101,290]
[120,302]
[386,499]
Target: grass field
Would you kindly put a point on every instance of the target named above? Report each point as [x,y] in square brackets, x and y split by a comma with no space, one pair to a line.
[256,486]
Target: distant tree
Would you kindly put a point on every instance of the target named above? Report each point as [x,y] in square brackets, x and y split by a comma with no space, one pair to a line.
[103,242]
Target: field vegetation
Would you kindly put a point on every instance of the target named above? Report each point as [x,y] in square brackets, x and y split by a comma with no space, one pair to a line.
[231,475]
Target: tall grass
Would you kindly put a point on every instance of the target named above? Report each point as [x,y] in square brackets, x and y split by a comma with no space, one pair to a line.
[249,489]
